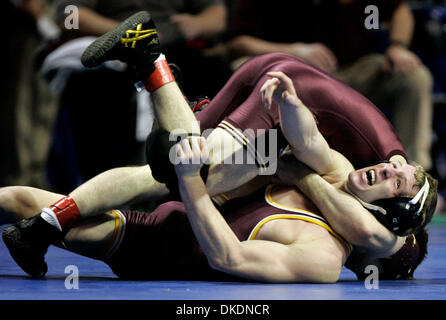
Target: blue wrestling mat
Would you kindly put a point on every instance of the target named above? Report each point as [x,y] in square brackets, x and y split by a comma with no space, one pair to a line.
[97,282]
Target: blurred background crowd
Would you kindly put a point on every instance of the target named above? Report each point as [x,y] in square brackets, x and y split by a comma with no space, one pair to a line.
[62,124]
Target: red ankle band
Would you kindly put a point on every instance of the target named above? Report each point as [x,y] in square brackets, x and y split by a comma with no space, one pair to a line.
[66,211]
[161,76]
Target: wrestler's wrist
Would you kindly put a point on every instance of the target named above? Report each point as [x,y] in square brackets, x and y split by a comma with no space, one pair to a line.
[187,170]
[190,177]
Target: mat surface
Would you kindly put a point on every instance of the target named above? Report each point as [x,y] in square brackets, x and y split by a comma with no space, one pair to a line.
[97,282]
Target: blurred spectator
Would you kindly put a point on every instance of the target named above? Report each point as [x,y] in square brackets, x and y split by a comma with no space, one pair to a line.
[430,45]
[185,28]
[27,106]
[332,35]
[102,122]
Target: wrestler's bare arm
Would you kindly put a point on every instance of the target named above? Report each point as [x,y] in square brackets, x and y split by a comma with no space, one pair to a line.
[344,213]
[340,209]
[259,260]
[300,128]
[118,187]
[298,124]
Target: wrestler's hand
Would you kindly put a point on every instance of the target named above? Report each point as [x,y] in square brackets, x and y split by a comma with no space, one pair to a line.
[191,152]
[279,89]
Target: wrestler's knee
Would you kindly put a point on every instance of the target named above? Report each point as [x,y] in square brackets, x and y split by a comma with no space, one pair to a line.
[16,203]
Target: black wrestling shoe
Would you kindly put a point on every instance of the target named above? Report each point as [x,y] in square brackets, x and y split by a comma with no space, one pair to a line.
[135,41]
[28,241]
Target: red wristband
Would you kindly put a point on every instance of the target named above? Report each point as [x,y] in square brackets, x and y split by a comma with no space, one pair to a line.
[161,76]
[66,211]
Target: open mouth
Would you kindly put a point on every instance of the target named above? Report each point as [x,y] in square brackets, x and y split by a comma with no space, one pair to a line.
[371,177]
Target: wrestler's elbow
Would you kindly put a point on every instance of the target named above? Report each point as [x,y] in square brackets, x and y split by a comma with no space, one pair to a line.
[17,203]
[358,233]
[327,270]
[227,262]
[365,236]
[331,275]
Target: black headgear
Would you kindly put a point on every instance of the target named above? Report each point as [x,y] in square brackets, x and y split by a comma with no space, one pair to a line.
[400,214]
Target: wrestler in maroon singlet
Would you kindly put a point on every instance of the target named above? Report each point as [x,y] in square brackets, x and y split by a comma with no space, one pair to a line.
[162,245]
[349,122]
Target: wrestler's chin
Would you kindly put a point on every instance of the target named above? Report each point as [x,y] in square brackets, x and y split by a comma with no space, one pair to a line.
[355,182]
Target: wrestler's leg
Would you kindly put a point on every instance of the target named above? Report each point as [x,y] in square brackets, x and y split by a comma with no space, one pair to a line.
[225,173]
[89,237]
[116,188]
[65,213]
[122,186]
[111,189]
[239,105]
[172,112]
[94,237]
[17,203]
[61,215]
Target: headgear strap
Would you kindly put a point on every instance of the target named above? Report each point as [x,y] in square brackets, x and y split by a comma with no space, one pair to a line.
[366,204]
[422,194]
[424,191]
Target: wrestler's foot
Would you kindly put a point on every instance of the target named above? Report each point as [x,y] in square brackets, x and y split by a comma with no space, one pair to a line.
[28,241]
[134,41]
